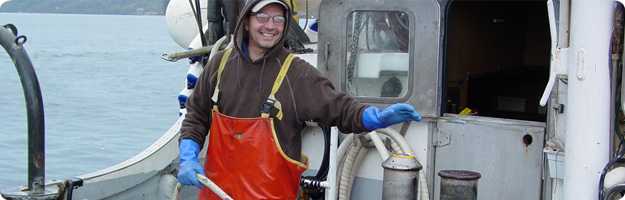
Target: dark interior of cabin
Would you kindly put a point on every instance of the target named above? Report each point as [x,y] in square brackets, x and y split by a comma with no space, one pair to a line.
[497,59]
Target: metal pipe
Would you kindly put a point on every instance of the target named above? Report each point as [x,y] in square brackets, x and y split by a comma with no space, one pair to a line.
[334,142]
[175,56]
[588,119]
[34,105]
[213,187]
[401,174]
[458,184]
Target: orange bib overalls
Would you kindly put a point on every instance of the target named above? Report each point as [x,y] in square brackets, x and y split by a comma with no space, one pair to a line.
[244,157]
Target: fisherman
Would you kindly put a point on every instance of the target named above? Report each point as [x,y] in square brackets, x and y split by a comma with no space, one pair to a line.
[255,99]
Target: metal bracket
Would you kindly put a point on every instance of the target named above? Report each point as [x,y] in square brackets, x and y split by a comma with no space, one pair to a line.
[71,185]
[559,108]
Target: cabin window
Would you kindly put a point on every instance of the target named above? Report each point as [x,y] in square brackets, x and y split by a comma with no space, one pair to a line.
[497,59]
[377,54]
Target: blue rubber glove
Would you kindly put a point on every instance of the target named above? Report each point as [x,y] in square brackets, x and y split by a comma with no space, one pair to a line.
[373,118]
[189,163]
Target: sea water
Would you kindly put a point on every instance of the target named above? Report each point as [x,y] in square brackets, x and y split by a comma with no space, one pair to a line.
[107,94]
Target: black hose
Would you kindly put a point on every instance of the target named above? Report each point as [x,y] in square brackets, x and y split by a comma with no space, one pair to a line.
[614,190]
[607,168]
[197,13]
[322,174]
[198,18]
[13,44]
[313,186]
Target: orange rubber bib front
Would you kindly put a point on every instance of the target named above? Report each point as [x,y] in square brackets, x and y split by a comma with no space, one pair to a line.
[246,161]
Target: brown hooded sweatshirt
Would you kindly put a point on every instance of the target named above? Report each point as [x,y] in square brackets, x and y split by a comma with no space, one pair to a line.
[305,95]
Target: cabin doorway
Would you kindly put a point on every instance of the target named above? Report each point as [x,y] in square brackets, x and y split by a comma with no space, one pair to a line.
[497,59]
[496,63]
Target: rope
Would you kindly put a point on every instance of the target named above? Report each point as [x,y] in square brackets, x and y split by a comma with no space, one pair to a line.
[198,18]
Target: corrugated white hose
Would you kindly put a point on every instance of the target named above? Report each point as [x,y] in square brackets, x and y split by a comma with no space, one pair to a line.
[395,147]
[344,171]
[397,138]
[353,158]
[344,147]
[362,153]
[379,145]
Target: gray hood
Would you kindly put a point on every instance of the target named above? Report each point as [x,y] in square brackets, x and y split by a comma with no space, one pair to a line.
[240,34]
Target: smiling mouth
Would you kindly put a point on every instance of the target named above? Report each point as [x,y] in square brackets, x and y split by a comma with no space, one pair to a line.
[268,35]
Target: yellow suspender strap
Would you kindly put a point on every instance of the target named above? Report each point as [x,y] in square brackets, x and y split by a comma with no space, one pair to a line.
[278,82]
[222,65]
[283,70]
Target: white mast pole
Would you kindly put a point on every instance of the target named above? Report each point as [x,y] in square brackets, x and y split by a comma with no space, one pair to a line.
[588,132]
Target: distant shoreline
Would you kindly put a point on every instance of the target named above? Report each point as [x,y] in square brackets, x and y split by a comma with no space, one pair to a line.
[70,13]
[108,7]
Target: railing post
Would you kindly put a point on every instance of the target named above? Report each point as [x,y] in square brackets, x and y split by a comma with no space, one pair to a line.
[459,184]
[13,44]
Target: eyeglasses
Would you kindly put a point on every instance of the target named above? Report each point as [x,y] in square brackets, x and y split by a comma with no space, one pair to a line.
[264,18]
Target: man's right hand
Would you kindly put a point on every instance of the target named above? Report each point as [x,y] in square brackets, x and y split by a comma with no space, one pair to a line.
[374,118]
[189,164]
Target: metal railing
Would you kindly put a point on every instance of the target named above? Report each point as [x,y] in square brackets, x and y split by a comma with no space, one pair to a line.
[14,45]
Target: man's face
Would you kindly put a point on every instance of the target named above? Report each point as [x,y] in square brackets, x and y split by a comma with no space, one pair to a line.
[266,26]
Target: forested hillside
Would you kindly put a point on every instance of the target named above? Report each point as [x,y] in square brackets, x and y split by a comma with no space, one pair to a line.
[125,7]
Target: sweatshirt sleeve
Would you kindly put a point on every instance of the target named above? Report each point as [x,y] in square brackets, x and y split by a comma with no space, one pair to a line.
[196,124]
[322,103]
